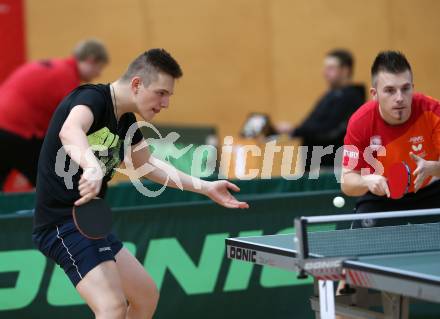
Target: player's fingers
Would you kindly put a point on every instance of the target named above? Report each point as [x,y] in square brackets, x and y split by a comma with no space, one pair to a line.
[243,205]
[414,157]
[229,205]
[87,186]
[238,204]
[374,189]
[416,186]
[82,186]
[88,191]
[83,192]
[380,189]
[83,200]
[82,179]
[417,171]
[418,182]
[230,202]
[234,187]
[386,189]
[80,201]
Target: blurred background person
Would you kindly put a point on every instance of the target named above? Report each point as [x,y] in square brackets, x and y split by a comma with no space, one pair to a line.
[326,124]
[29,96]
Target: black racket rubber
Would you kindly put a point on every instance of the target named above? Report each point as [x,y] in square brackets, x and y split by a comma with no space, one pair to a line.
[93,219]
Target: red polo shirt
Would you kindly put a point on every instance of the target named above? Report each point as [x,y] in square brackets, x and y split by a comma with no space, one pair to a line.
[419,135]
[29,96]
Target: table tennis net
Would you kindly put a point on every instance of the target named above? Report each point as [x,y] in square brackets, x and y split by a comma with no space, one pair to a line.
[375,240]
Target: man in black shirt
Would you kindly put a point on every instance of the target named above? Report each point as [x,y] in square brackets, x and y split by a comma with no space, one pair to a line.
[327,123]
[82,147]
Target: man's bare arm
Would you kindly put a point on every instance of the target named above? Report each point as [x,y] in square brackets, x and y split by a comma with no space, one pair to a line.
[355,184]
[218,191]
[74,139]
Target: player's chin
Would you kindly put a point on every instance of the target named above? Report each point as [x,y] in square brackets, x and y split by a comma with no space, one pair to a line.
[148,115]
[400,114]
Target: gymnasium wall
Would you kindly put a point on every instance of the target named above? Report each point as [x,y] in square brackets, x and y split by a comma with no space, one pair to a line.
[11,36]
[240,56]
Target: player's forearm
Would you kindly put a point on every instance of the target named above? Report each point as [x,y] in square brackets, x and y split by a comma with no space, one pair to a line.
[77,147]
[163,171]
[353,184]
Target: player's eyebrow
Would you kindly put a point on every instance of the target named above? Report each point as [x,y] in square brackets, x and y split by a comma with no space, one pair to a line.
[397,86]
[165,91]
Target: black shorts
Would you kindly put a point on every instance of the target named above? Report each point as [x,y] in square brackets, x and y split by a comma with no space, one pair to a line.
[20,154]
[428,197]
[73,252]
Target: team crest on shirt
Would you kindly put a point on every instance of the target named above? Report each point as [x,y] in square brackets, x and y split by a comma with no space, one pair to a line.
[416,139]
[417,145]
[375,142]
[350,157]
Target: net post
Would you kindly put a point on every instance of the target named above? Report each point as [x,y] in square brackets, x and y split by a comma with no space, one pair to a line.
[302,248]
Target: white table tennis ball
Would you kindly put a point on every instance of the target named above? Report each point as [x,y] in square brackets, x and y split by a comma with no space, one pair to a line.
[339,201]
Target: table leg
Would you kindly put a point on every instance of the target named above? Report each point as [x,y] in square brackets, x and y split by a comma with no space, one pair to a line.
[395,306]
[326,299]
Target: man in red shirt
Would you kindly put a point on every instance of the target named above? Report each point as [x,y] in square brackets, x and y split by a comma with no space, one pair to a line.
[396,125]
[29,96]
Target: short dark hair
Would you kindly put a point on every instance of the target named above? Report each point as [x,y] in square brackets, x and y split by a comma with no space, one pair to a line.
[345,58]
[389,61]
[149,63]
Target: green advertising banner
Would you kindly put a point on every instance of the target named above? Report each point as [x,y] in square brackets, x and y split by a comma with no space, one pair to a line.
[122,194]
[182,247]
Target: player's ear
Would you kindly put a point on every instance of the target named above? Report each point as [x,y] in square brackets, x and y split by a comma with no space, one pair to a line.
[373,93]
[135,84]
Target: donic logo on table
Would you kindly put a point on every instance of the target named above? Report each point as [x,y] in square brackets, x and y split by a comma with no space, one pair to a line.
[243,254]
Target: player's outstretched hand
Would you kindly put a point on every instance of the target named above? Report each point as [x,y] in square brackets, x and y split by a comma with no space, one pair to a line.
[89,185]
[424,170]
[218,191]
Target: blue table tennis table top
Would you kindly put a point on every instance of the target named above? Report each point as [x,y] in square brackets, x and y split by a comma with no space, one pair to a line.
[400,261]
[377,253]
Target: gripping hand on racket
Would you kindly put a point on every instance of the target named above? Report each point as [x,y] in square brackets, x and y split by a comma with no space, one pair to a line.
[74,139]
[353,183]
[89,185]
[377,184]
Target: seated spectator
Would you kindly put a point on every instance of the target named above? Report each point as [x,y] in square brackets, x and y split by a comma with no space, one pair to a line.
[327,123]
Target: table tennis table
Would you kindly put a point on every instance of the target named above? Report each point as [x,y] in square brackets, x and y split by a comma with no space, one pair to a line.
[381,266]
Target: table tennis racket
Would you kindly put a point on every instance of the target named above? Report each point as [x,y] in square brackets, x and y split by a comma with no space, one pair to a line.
[93,219]
[399,179]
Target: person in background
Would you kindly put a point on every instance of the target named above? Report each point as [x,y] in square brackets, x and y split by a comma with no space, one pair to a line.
[326,124]
[29,96]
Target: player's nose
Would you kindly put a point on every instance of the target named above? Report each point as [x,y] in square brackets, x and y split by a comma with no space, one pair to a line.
[165,102]
[399,96]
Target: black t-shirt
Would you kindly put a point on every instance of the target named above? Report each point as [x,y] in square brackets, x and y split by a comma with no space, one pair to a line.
[326,124]
[58,175]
